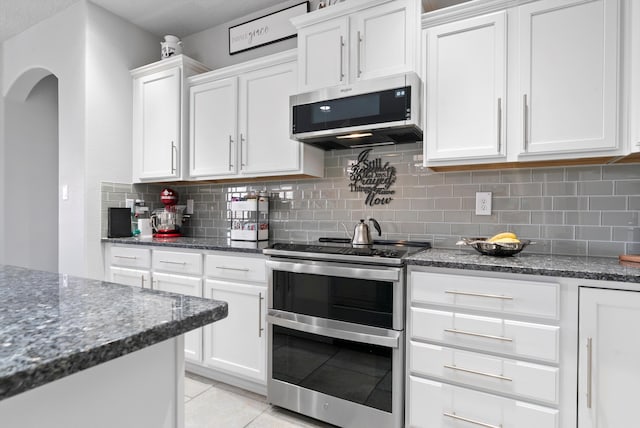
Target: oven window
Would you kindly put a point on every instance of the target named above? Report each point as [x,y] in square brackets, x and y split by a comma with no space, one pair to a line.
[359,301]
[352,371]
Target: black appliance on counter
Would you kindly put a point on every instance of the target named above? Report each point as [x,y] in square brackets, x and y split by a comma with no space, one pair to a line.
[336,331]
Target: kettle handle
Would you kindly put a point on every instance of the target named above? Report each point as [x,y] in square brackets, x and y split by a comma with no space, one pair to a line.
[376,225]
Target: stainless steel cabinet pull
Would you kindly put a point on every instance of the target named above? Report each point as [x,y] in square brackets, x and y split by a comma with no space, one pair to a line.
[260,328]
[471,421]
[486,336]
[229,268]
[359,51]
[525,122]
[174,149]
[491,375]
[341,56]
[230,151]
[141,281]
[173,263]
[467,293]
[499,125]
[242,140]
[126,257]
[589,370]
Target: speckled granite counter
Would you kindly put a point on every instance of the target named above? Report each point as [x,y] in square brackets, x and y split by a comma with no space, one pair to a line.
[221,244]
[596,268]
[52,325]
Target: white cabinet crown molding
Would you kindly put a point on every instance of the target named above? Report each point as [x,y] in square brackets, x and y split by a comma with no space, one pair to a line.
[335,11]
[236,69]
[166,64]
[468,10]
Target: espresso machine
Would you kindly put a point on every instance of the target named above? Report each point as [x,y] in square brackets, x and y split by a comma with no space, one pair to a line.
[166,222]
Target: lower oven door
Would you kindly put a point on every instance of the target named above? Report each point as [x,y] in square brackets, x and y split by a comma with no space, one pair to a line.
[345,374]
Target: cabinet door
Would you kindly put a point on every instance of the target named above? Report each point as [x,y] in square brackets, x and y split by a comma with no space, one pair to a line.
[466,89]
[609,352]
[133,277]
[568,76]
[237,343]
[265,146]
[190,286]
[323,54]
[382,41]
[212,126]
[157,125]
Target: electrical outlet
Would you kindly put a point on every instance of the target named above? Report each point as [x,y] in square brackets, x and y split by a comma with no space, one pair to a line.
[483,203]
[129,203]
[189,209]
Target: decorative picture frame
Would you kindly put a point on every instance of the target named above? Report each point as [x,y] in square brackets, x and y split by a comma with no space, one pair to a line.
[265,30]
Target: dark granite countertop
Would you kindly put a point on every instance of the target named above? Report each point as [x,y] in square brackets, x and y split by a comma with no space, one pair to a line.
[221,244]
[54,325]
[597,268]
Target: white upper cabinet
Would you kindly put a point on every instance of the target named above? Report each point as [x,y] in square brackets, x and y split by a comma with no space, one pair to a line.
[569,65]
[634,53]
[467,87]
[213,128]
[159,119]
[240,122]
[355,40]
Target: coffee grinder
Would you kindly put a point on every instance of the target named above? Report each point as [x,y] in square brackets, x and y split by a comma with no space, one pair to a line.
[167,221]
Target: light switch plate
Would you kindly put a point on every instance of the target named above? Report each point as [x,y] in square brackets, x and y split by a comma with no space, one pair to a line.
[483,203]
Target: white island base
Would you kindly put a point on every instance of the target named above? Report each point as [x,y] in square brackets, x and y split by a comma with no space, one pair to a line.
[143,389]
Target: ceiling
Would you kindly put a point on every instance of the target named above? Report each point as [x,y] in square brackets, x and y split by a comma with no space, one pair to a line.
[178,17]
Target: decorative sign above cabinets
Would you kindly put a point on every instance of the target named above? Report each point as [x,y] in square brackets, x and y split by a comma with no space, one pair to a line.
[265,30]
[370,176]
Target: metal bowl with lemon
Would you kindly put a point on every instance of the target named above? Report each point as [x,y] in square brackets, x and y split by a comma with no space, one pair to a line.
[501,245]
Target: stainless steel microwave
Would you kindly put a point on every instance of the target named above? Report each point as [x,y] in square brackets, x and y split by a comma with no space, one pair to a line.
[377,111]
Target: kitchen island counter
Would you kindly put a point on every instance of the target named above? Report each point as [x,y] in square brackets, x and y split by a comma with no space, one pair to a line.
[53,327]
[592,268]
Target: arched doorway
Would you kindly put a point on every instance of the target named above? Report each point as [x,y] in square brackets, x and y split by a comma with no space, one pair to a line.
[31,172]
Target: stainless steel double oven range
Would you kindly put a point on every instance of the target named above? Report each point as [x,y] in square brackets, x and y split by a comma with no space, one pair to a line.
[336,332]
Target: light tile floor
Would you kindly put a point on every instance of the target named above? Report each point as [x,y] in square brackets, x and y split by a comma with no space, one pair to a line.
[211,404]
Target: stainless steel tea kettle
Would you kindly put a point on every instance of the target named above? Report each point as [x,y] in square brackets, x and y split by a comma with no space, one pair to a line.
[362,234]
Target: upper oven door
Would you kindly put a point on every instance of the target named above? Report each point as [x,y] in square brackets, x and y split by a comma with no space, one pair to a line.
[367,295]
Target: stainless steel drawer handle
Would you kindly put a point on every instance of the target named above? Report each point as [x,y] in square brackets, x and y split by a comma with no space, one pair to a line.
[486,336]
[126,257]
[230,268]
[589,370]
[491,375]
[341,60]
[471,421]
[490,296]
[260,328]
[173,263]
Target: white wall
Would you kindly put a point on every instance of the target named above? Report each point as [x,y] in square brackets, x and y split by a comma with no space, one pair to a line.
[31,178]
[114,46]
[211,46]
[2,158]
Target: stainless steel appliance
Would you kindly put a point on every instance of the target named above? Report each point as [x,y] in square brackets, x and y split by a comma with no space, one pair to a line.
[362,234]
[375,111]
[336,332]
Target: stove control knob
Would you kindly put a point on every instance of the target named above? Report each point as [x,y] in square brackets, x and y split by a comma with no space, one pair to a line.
[326,406]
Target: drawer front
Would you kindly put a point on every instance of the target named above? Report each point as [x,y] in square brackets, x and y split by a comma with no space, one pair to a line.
[130,257]
[178,262]
[494,373]
[521,339]
[236,268]
[434,405]
[508,296]
[133,277]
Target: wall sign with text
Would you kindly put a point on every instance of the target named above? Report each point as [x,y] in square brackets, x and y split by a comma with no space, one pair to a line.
[265,30]
[370,176]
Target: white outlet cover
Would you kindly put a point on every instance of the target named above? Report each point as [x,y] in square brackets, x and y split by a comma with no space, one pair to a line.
[483,203]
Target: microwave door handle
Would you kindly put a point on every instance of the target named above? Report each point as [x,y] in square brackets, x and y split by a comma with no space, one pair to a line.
[354,336]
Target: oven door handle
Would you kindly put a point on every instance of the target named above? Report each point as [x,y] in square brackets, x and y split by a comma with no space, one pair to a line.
[389,340]
[351,271]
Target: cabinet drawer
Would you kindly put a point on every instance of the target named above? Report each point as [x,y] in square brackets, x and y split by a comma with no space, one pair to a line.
[130,257]
[517,338]
[508,296]
[178,262]
[236,268]
[133,277]
[494,373]
[434,404]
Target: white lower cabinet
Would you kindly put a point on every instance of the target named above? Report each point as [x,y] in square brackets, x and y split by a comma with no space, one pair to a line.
[190,286]
[435,404]
[237,344]
[609,356]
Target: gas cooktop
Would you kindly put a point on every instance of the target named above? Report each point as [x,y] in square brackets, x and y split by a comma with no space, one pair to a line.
[341,250]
